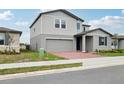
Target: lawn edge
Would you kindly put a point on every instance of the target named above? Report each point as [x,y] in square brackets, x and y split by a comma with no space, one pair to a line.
[38,68]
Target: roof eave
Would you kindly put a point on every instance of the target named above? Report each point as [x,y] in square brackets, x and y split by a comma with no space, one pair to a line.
[65,11]
[83,33]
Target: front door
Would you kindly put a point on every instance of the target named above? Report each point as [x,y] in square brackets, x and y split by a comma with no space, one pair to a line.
[79,43]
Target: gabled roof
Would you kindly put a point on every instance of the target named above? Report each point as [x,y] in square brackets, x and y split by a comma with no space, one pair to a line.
[62,10]
[89,31]
[3,29]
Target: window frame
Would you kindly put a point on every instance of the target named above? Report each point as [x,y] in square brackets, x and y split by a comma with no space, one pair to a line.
[64,24]
[2,37]
[59,23]
[104,42]
[3,41]
[79,26]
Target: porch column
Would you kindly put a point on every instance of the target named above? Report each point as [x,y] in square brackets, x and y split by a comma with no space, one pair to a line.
[74,44]
[83,43]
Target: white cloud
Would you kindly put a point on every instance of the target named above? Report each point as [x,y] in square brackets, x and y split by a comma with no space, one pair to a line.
[108,21]
[6,15]
[21,23]
[122,11]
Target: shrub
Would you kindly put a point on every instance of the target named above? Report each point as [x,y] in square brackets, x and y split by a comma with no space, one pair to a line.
[112,51]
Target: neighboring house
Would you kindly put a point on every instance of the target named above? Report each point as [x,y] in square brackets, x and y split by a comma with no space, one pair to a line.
[119,42]
[60,30]
[9,39]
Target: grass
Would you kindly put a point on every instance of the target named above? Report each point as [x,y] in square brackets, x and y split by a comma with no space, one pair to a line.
[112,53]
[39,68]
[26,56]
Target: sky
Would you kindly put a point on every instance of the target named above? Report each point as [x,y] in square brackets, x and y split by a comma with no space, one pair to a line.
[112,20]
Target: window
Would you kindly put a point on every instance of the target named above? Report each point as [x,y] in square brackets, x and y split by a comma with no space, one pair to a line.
[103,41]
[1,41]
[106,41]
[57,23]
[78,26]
[2,38]
[63,24]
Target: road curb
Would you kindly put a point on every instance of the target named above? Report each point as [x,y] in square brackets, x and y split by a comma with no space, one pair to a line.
[87,64]
[55,71]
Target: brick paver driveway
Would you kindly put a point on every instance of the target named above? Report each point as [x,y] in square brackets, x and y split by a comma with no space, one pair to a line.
[76,55]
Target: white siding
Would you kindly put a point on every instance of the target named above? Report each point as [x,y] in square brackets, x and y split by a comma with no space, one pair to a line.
[86,28]
[48,24]
[121,44]
[37,26]
[96,35]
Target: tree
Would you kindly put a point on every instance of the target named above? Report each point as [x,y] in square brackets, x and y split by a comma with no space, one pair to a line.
[9,41]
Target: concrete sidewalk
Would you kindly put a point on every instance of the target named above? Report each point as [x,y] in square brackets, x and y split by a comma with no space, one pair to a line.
[87,63]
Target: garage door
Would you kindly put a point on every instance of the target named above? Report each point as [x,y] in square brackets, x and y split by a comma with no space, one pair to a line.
[58,45]
[121,44]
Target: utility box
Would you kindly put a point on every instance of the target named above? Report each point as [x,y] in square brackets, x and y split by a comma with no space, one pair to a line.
[41,52]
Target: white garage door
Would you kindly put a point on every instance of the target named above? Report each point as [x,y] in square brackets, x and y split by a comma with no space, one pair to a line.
[121,44]
[58,45]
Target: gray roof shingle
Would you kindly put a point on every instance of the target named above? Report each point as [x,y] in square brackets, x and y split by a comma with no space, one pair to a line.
[4,29]
[63,10]
[89,31]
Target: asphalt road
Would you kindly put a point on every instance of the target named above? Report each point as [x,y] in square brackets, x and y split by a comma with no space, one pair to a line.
[107,75]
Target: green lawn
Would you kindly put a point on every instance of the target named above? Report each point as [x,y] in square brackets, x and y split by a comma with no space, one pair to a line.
[112,53]
[25,57]
[39,68]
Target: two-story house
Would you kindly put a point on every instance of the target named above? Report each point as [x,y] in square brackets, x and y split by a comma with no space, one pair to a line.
[60,30]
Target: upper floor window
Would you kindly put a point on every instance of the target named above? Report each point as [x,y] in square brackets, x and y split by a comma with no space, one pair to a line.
[57,23]
[103,41]
[63,24]
[78,26]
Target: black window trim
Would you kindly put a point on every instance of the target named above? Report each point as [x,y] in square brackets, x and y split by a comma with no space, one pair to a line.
[2,41]
[104,43]
[63,24]
[57,23]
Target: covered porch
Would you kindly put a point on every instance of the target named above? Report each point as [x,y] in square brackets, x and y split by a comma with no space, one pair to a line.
[84,43]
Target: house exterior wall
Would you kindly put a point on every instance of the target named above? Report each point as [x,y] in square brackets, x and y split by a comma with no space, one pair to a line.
[14,44]
[86,28]
[41,40]
[89,43]
[121,44]
[96,34]
[48,24]
[45,28]
[37,26]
